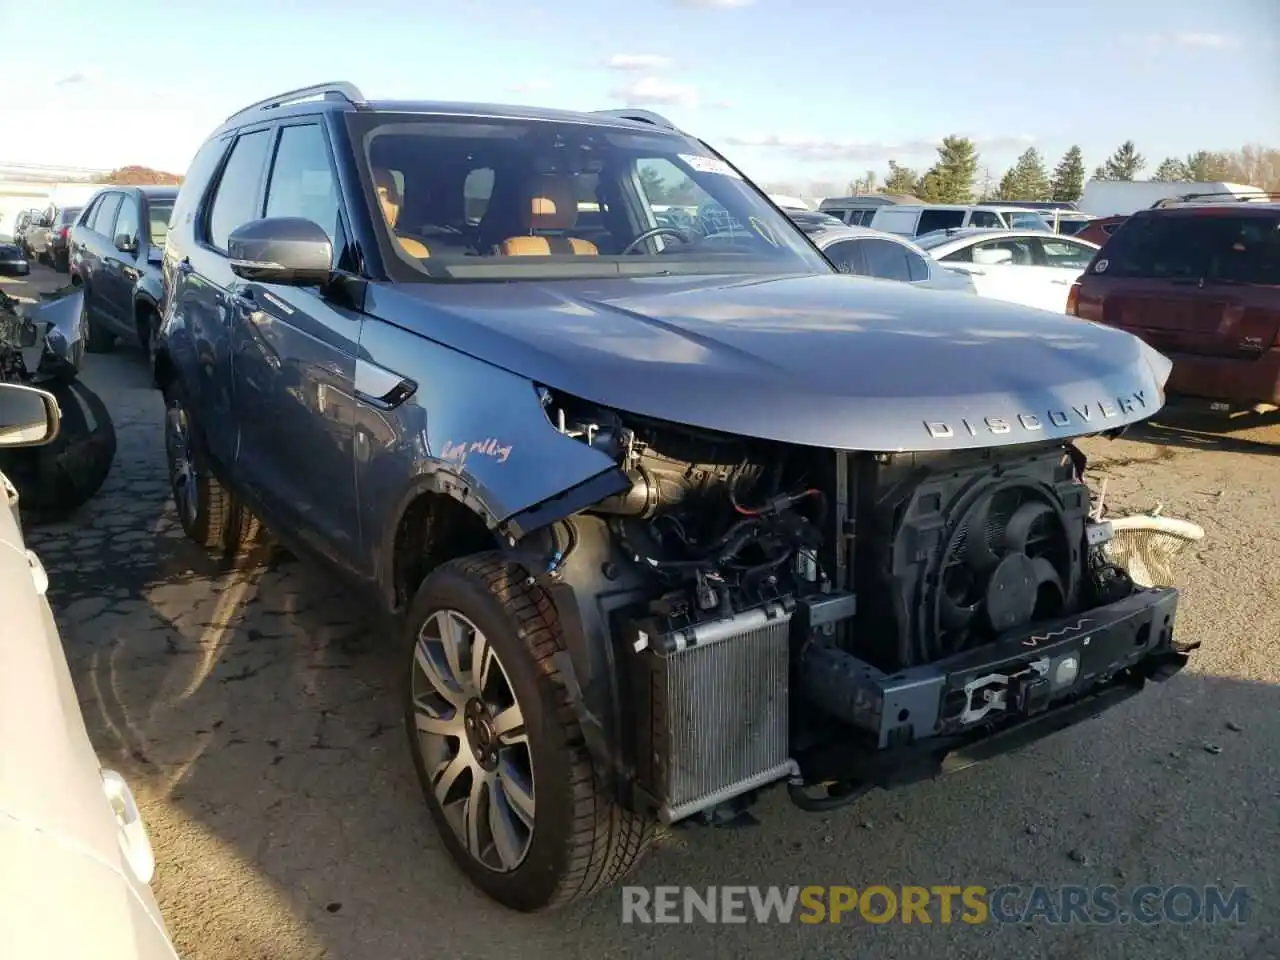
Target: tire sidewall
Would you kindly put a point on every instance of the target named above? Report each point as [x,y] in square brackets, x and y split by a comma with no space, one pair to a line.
[196,528]
[534,883]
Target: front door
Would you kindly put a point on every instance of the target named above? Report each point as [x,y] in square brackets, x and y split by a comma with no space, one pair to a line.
[120,267]
[293,363]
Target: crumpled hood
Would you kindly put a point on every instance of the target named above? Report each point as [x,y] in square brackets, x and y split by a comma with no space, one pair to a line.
[831,361]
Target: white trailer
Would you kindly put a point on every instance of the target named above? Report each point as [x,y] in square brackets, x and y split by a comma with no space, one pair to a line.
[1110,198]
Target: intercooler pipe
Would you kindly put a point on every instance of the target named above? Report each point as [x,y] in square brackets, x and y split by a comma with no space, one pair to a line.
[643,498]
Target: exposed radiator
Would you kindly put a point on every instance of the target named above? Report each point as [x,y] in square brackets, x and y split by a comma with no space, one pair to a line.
[712,708]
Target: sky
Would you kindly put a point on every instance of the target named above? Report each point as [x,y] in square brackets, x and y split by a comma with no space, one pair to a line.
[799,92]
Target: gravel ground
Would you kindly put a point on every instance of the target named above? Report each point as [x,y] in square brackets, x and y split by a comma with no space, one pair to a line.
[252,709]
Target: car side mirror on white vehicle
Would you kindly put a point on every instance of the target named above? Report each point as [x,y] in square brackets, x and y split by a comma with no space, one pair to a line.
[29,416]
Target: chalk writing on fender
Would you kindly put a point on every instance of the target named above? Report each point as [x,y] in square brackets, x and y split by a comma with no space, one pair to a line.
[490,447]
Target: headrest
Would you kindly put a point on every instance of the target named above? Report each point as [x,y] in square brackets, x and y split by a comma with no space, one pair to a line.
[552,204]
[991,256]
[388,194]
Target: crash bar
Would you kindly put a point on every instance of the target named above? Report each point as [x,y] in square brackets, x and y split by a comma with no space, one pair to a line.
[639,116]
[333,90]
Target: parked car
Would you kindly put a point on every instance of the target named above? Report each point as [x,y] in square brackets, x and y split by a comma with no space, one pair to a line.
[862,252]
[116,251]
[1100,229]
[859,209]
[47,239]
[25,220]
[602,472]
[914,220]
[1201,284]
[1030,267]
[77,858]
[13,262]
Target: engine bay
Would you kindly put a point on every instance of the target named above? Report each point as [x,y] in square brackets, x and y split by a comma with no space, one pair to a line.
[786,612]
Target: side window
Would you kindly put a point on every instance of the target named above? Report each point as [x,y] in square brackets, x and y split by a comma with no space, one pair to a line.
[984,218]
[236,199]
[1249,252]
[104,219]
[841,215]
[665,186]
[127,221]
[963,255]
[1064,253]
[86,218]
[302,182]
[917,267]
[476,191]
[886,259]
[931,220]
[846,256]
[1015,252]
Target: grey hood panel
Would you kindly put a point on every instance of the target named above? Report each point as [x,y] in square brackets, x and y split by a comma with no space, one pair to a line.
[830,361]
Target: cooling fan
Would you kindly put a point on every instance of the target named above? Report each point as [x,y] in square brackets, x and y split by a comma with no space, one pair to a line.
[1009,562]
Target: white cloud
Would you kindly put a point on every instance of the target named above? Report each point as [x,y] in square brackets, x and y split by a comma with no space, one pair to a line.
[531,86]
[1191,38]
[638,61]
[818,149]
[720,4]
[653,91]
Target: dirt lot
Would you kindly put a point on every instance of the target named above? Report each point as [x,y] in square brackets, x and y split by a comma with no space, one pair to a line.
[251,709]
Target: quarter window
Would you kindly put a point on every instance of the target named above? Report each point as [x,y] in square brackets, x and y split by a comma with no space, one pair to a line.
[1064,253]
[886,259]
[236,201]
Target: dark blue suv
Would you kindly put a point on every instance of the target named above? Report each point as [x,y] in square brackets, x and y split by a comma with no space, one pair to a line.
[664,510]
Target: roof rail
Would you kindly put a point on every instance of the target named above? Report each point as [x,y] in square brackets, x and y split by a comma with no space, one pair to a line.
[1228,194]
[639,116]
[333,90]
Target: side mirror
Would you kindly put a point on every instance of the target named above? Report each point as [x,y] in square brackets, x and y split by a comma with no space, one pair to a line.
[126,243]
[28,417]
[289,250]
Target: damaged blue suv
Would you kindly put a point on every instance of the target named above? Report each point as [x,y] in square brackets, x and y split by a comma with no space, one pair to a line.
[664,510]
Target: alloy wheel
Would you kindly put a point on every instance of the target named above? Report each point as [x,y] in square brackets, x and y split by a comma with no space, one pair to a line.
[182,467]
[473,740]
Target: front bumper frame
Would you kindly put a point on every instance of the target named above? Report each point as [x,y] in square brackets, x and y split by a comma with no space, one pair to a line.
[922,722]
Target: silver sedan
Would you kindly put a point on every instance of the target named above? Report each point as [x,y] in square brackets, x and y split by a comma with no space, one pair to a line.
[864,252]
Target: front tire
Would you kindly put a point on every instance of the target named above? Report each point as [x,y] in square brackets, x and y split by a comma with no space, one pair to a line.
[207,511]
[497,747]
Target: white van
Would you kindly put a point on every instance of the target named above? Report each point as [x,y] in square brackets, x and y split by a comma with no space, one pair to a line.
[911,220]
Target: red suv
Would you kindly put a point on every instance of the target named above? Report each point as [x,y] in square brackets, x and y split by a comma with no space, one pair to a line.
[1201,284]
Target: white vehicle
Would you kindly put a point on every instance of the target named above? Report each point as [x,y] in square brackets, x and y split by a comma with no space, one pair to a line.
[861,252]
[1111,198]
[1033,267]
[77,862]
[915,220]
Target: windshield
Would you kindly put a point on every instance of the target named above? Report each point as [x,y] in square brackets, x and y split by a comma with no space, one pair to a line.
[158,213]
[498,199]
[68,214]
[1027,221]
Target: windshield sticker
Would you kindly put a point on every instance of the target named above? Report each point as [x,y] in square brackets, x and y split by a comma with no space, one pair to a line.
[1101,266]
[710,165]
[759,227]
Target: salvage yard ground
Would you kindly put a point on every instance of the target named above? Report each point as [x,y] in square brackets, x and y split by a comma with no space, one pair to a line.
[253,711]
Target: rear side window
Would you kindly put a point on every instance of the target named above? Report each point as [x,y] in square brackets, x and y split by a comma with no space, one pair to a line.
[846,257]
[1223,248]
[886,259]
[896,221]
[236,201]
[916,266]
[984,218]
[931,220]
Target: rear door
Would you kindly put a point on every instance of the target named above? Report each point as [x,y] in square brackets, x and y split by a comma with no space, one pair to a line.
[100,281]
[1196,282]
[120,267]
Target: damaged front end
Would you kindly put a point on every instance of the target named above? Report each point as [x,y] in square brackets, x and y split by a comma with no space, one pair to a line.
[743,612]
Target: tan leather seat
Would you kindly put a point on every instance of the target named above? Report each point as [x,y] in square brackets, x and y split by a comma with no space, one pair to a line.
[551,206]
[390,199]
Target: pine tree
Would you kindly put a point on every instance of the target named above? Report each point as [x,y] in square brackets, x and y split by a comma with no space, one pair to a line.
[950,180]
[900,179]
[1027,179]
[1125,164]
[1204,166]
[1171,170]
[1068,176]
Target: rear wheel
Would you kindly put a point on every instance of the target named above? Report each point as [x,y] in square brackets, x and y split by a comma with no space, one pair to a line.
[209,514]
[497,747]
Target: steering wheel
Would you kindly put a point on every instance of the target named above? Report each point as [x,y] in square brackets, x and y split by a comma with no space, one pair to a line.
[679,234]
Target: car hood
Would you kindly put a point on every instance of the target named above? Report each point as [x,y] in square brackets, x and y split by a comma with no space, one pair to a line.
[829,360]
